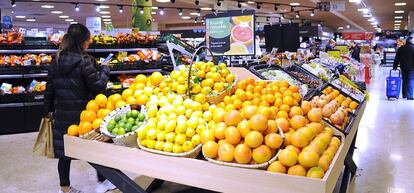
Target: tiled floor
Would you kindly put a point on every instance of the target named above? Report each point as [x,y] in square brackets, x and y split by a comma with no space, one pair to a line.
[384,155]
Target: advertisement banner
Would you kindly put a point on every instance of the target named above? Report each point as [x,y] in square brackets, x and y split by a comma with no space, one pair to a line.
[358,35]
[231,33]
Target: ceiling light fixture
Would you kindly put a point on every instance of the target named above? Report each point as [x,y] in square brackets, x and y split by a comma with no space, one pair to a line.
[250,2]
[340,28]
[400,4]
[103,6]
[355,1]
[13,3]
[312,13]
[372,19]
[106,16]
[367,15]
[141,10]
[206,8]
[185,17]
[31,20]
[98,8]
[104,12]
[154,13]
[47,6]
[163,1]
[162,11]
[120,8]
[56,12]
[398,17]
[294,4]
[73,22]
[106,20]
[180,12]
[348,26]
[399,11]
[76,7]
[63,16]
[397,21]
[154,8]
[20,16]
[69,20]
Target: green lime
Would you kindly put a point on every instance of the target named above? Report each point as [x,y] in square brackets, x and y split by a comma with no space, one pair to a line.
[141,117]
[128,126]
[121,124]
[118,118]
[121,131]
[129,114]
[115,131]
[113,122]
[134,128]
[110,127]
[131,120]
[134,114]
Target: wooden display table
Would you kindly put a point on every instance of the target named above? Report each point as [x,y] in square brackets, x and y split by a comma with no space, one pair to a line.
[201,173]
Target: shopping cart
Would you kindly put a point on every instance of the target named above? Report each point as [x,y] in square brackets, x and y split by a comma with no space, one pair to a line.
[394,85]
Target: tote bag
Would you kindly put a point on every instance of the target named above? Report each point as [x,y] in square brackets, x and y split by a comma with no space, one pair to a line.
[44,142]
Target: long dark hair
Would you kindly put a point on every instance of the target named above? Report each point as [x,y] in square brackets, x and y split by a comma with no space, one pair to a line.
[73,40]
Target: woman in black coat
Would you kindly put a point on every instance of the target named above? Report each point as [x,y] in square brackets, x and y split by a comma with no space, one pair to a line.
[73,79]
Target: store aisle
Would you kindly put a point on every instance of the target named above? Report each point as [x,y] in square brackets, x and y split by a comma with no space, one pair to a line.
[384,153]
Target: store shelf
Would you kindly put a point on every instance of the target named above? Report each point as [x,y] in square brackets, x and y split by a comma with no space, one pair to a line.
[11,76]
[8,105]
[37,75]
[10,51]
[135,71]
[39,51]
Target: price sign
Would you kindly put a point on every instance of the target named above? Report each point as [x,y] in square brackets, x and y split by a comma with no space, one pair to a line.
[337,5]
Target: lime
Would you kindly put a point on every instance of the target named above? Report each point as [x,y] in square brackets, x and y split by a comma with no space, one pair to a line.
[110,127]
[137,122]
[121,131]
[128,114]
[115,131]
[121,124]
[113,122]
[134,114]
[128,127]
[134,128]
[131,121]
[124,117]
[141,117]
[117,118]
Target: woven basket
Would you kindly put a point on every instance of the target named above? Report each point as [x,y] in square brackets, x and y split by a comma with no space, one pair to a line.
[212,99]
[250,166]
[129,139]
[95,135]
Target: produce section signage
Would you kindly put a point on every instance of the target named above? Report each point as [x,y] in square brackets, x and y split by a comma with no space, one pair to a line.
[231,33]
[357,35]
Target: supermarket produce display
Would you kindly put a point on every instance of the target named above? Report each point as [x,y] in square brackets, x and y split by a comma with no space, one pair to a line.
[259,124]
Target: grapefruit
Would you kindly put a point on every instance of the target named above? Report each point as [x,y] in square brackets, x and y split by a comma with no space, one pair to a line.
[232,118]
[101,100]
[297,170]
[249,111]
[273,140]
[219,130]
[277,167]
[316,172]
[92,105]
[253,139]
[258,122]
[288,157]
[210,149]
[315,115]
[73,130]
[262,154]
[299,140]
[226,152]
[232,135]
[242,154]
[308,159]
[87,116]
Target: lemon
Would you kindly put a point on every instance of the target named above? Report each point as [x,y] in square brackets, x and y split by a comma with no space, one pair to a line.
[201,121]
[180,139]
[188,113]
[170,126]
[152,111]
[201,98]
[181,118]
[196,139]
[190,132]
[143,142]
[142,132]
[197,106]
[172,116]
[148,91]
[208,116]
[159,145]
[150,143]
[180,110]
[177,149]
[138,92]
[197,114]
[181,127]
[188,103]
[222,66]
[168,147]
[161,124]
[196,89]
[200,129]
[187,146]
[152,134]
[174,74]
[170,137]
[201,74]
[161,136]
[175,86]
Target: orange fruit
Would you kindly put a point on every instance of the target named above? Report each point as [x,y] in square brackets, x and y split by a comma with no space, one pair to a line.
[219,130]
[238,104]
[210,149]
[294,148]
[256,101]
[278,102]
[110,106]
[299,139]
[288,93]
[249,95]
[297,170]
[101,100]
[242,154]
[277,167]
[297,97]
[271,127]
[232,118]
[92,105]
[131,100]
[324,162]
[227,100]
[207,135]
[315,115]
[219,115]
[295,111]
[283,84]
[250,81]
[308,132]
[73,130]
[241,94]
[287,157]
[253,139]
[258,122]
[156,78]
[246,103]
[315,172]
[120,104]
[115,98]
[249,111]
[294,88]
[88,116]
[298,121]
[142,99]
[85,127]
[264,104]
[244,128]
[273,140]
[258,89]
[283,124]
[284,107]
[262,154]
[282,114]
[353,105]
[232,135]
[226,152]
[265,111]
[96,123]
[127,93]
[308,159]
[102,113]
[242,84]
[288,100]
[318,127]
[270,98]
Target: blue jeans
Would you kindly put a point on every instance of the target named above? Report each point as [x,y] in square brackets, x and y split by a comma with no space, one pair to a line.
[410,86]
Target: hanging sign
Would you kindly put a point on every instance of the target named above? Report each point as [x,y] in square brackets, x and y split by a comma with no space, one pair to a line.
[358,35]
[337,6]
[7,22]
[94,24]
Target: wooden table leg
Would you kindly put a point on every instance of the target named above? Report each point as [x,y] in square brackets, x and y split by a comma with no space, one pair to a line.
[119,179]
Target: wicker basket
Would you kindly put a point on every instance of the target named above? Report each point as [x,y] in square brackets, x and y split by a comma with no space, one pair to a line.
[250,166]
[212,99]
[95,135]
[128,139]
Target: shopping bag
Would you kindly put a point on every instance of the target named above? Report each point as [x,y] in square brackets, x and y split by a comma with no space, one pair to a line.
[44,142]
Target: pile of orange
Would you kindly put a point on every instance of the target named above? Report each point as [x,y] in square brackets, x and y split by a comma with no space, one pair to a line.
[334,94]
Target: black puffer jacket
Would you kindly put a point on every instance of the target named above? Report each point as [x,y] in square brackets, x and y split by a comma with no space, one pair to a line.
[71,83]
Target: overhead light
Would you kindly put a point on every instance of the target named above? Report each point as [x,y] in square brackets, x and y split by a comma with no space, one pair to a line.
[63,16]
[180,12]
[398,17]
[106,16]
[104,6]
[20,16]
[250,2]
[141,10]
[107,20]
[399,11]
[297,14]
[397,21]
[163,1]
[348,26]
[194,13]
[372,19]
[294,4]
[155,8]
[57,12]
[312,13]
[47,6]
[73,22]
[31,20]
[355,1]
[364,10]
[162,11]
[76,7]
[13,3]
[367,15]
[374,23]
[185,17]
[104,12]
[69,20]
[154,13]
[340,28]
[206,8]
[120,8]
[98,8]
[400,4]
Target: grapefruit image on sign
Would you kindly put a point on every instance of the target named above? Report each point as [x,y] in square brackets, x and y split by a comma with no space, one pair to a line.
[242,33]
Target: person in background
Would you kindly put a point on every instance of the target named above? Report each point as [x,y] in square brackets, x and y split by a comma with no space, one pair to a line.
[73,79]
[405,59]
[355,51]
[330,46]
